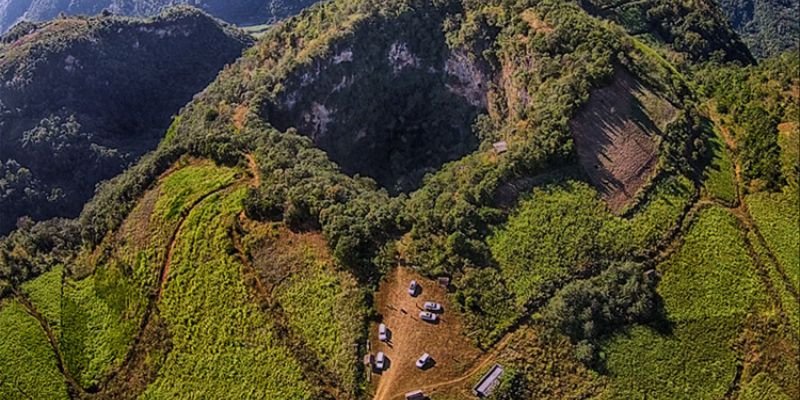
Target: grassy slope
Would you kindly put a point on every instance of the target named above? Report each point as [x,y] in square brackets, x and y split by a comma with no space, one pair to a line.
[28,368]
[102,312]
[223,346]
[563,227]
[44,293]
[323,306]
[777,216]
[709,285]
[718,177]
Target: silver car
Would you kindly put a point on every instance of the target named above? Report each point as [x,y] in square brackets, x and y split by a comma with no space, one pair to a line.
[380,361]
[413,288]
[432,306]
[423,360]
[428,316]
[383,333]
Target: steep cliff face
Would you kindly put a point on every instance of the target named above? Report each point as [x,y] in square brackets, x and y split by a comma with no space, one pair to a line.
[386,102]
[233,11]
[81,98]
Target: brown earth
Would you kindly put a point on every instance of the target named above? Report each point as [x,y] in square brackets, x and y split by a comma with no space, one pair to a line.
[617,135]
[454,355]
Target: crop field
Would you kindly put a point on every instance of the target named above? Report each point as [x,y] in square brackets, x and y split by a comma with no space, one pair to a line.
[777,216]
[318,304]
[789,303]
[176,253]
[718,176]
[564,227]
[324,308]
[762,387]
[223,346]
[708,288]
[102,312]
[44,293]
[28,366]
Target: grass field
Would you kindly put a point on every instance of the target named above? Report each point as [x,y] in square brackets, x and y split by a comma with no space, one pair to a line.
[778,218]
[223,346]
[44,293]
[28,367]
[324,307]
[791,308]
[102,312]
[719,176]
[762,388]
[709,286]
[564,227]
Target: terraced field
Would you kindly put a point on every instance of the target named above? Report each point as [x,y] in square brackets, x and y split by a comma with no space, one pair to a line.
[164,308]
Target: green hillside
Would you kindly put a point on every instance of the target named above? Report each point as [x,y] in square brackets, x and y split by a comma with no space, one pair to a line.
[585,174]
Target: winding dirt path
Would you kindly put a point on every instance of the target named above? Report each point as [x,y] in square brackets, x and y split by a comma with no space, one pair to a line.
[146,322]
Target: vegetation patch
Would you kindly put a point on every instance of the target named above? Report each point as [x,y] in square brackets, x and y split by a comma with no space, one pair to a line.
[694,358]
[321,305]
[777,216]
[222,344]
[719,175]
[102,312]
[28,366]
[564,230]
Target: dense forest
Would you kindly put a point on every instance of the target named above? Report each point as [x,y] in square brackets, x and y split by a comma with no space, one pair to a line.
[82,98]
[769,27]
[610,189]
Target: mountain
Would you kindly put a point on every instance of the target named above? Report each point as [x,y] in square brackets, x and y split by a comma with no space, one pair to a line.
[575,184]
[240,12]
[769,27]
[82,98]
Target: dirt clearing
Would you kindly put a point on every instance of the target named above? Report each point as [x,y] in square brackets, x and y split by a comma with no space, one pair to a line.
[617,135]
[453,354]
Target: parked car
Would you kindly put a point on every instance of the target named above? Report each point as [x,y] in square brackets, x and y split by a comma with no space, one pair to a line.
[423,361]
[428,316]
[415,395]
[380,361]
[432,306]
[383,333]
[413,288]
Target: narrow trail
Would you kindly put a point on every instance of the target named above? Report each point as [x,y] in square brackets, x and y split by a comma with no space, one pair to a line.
[155,298]
[73,384]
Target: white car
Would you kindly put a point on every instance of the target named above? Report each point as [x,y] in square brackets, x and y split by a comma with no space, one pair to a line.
[423,361]
[428,316]
[383,333]
[413,288]
[380,361]
[432,306]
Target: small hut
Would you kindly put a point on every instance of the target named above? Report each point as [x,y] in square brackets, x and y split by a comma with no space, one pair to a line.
[488,382]
[500,147]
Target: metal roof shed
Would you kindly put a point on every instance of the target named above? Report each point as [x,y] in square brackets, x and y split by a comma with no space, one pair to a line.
[488,382]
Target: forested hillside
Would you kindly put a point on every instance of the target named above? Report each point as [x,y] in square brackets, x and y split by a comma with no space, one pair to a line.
[769,27]
[606,188]
[240,12]
[82,98]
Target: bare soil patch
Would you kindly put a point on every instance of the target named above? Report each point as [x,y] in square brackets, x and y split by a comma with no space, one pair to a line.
[454,355]
[617,135]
